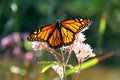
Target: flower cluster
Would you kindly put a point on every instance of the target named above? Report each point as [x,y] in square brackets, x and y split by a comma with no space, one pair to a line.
[82,51]
[13,48]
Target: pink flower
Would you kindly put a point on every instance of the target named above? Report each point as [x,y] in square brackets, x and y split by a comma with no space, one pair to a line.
[82,51]
[6,41]
[59,70]
[11,39]
[17,51]
[16,37]
[29,56]
[85,52]
[37,45]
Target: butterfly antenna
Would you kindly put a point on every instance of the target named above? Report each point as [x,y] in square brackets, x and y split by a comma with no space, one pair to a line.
[62,17]
[55,19]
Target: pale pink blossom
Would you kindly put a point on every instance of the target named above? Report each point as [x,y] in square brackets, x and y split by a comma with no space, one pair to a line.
[59,70]
[16,37]
[6,41]
[85,52]
[37,45]
[80,37]
[17,51]
[82,51]
[84,29]
[11,39]
[28,57]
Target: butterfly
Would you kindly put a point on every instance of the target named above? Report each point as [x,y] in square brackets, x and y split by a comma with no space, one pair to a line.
[60,34]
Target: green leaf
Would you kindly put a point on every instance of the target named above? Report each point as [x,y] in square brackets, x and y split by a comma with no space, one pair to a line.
[72,69]
[102,28]
[28,45]
[45,65]
[57,78]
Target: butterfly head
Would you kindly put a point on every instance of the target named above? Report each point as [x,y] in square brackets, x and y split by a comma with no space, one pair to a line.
[58,23]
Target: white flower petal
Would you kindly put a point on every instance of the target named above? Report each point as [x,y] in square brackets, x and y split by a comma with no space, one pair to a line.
[59,70]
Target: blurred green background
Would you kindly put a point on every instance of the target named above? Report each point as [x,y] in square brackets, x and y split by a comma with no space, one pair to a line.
[20,17]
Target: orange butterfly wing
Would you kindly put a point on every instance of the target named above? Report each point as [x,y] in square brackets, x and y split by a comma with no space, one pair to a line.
[41,33]
[55,39]
[49,34]
[70,27]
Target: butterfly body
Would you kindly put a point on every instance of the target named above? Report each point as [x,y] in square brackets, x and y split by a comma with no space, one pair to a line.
[61,33]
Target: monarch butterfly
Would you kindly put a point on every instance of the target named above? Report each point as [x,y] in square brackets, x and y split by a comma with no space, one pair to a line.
[61,33]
